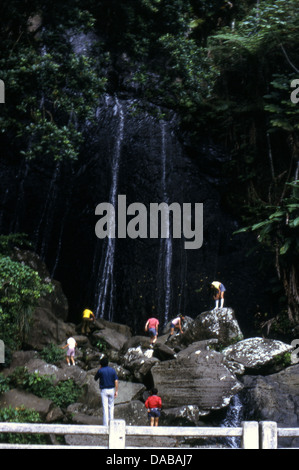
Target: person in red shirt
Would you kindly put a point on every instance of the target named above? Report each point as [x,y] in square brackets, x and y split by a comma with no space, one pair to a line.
[154,405]
[151,326]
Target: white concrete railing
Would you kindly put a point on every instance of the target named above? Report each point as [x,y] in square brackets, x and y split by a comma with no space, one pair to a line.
[270,432]
[254,435]
[117,432]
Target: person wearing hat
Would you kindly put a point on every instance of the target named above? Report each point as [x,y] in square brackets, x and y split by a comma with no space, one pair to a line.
[219,290]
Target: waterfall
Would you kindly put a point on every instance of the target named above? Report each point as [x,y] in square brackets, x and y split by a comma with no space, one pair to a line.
[105,277]
[44,228]
[233,419]
[165,252]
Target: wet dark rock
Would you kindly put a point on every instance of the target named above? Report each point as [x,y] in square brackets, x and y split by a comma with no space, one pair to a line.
[273,398]
[201,379]
[220,324]
[46,328]
[15,398]
[194,379]
[50,202]
[259,354]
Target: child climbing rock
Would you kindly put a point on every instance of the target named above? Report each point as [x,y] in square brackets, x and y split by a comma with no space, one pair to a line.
[70,355]
[176,324]
[154,405]
[151,327]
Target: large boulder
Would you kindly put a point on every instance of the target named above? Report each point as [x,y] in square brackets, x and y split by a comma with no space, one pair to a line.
[38,366]
[204,345]
[220,324]
[91,396]
[139,362]
[134,413]
[112,338]
[128,391]
[182,416]
[273,398]
[19,398]
[47,328]
[258,353]
[163,352]
[101,324]
[200,379]
[19,359]
[134,342]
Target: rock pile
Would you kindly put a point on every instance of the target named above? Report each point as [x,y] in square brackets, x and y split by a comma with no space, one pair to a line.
[193,375]
[196,373]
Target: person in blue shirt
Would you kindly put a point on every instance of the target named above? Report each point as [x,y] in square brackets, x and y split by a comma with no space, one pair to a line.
[109,389]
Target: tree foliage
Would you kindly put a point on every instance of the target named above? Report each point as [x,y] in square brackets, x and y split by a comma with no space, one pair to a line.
[51,90]
[261,52]
[20,289]
[224,66]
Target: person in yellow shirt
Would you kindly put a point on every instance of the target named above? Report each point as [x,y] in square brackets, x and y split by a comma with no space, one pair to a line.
[219,290]
[87,317]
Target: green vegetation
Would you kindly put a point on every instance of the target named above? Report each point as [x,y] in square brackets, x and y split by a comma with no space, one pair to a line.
[20,289]
[101,345]
[263,126]
[62,394]
[20,415]
[52,354]
[51,89]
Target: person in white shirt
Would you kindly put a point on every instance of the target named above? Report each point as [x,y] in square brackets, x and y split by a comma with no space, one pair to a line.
[176,324]
[70,355]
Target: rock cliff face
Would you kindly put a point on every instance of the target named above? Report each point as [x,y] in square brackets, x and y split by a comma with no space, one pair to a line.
[131,152]
[273,397]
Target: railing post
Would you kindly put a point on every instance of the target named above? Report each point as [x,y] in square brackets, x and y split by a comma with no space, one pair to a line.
[250,436]
[268,435]
[117,434]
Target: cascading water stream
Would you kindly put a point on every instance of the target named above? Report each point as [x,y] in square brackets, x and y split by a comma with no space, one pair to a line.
[233,419]
[165,253]
[105,282]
